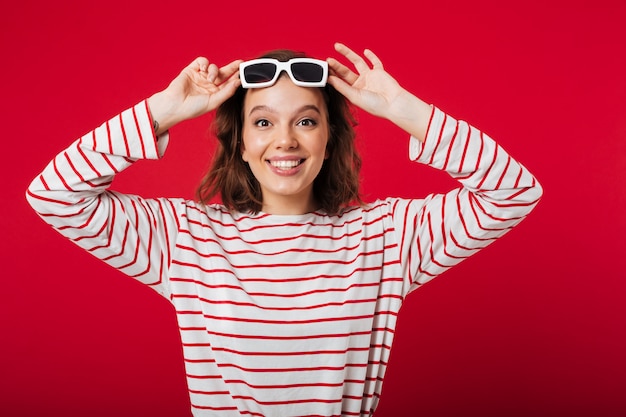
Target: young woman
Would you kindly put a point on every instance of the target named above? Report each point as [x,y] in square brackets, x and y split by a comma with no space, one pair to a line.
[287,293]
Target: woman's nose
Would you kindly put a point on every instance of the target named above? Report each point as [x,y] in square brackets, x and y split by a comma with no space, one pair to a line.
[286,138]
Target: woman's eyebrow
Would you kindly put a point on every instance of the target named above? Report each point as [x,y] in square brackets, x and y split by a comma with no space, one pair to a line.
[263,107]
[309,107]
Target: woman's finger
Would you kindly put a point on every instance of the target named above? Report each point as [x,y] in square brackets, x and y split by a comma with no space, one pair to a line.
[358,62]
[376,62]
[342,71]
[199,64]
[227,71]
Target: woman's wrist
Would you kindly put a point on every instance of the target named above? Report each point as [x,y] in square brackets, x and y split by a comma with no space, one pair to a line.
[411,114]
[161,111]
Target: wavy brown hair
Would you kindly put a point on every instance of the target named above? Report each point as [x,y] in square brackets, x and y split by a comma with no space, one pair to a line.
[335,187]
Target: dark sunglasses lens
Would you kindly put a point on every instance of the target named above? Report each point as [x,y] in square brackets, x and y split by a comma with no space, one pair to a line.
[259,73]
[307,72]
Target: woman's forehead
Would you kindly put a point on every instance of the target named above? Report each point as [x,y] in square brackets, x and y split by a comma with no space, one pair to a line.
[283,96]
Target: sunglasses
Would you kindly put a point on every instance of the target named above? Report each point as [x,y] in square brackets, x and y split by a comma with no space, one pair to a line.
[263,72]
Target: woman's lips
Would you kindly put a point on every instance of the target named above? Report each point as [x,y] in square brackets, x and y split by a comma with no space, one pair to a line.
[285,166]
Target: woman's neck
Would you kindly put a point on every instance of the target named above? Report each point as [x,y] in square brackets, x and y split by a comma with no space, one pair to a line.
[290,205]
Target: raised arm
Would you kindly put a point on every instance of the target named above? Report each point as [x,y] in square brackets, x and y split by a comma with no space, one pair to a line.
[496,192]
[132,234]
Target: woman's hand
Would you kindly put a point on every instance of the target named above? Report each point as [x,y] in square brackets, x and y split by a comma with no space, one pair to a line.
[375,91]
[200,88]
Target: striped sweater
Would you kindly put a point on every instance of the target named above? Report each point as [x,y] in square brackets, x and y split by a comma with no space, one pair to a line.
[283,315]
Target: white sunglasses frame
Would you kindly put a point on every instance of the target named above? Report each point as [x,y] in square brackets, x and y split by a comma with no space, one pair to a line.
[283,66]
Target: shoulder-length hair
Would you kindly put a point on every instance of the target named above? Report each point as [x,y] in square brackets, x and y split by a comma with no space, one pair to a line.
[335,187]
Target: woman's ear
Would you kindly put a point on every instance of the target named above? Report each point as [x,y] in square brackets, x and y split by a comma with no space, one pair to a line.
[242,151]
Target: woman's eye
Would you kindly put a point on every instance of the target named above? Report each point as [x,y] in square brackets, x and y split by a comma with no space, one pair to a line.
[307,122]
[262,123]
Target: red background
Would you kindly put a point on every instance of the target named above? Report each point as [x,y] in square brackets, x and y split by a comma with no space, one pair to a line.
[535,325]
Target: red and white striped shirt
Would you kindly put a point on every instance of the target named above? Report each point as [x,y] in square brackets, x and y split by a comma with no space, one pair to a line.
[283,315]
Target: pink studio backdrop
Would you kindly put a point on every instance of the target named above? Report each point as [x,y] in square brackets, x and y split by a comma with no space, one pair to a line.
[535,325]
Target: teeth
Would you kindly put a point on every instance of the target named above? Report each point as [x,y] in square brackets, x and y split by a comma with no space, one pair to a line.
[285,164]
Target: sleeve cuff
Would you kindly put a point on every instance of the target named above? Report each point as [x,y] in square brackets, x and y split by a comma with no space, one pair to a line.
[423,151]
[140,139]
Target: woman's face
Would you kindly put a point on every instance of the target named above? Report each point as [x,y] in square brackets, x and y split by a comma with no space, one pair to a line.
[285,133]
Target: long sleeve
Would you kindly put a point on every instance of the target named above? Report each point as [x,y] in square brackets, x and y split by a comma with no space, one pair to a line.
[131,234]
[496,194]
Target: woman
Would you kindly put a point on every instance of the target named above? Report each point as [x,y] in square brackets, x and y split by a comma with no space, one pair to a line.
[286,294]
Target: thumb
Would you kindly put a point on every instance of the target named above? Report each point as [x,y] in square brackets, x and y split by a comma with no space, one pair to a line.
[354,95]
[344,88]
[225,91]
